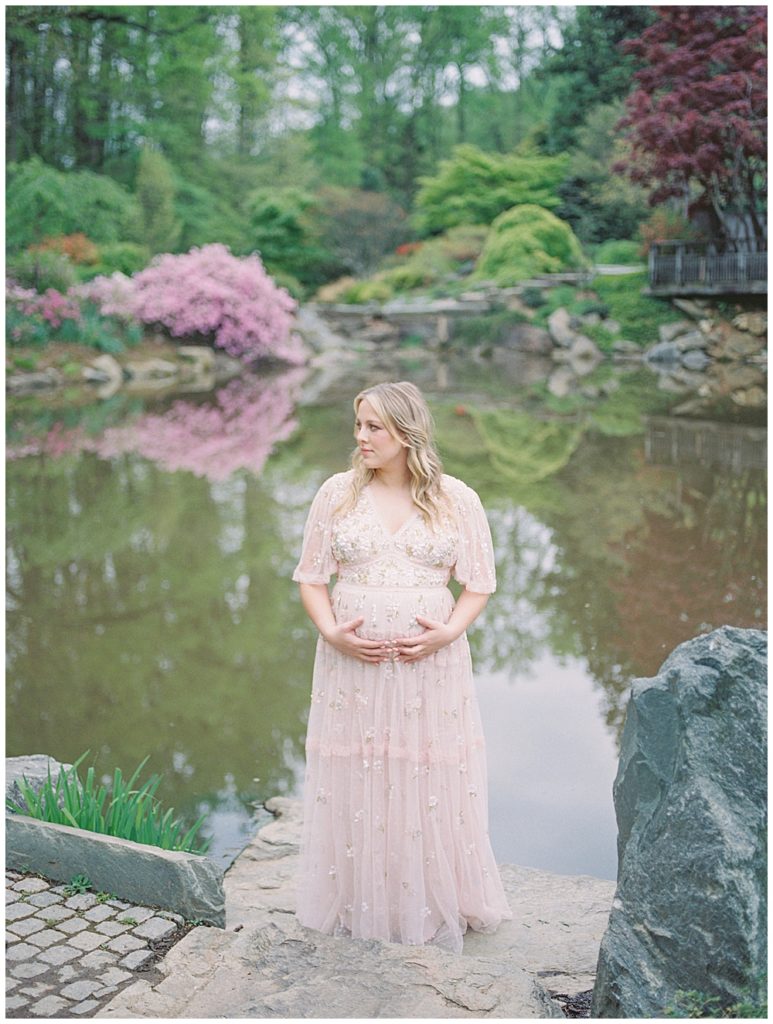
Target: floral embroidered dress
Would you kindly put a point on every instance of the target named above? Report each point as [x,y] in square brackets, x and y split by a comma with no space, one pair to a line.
[395,841]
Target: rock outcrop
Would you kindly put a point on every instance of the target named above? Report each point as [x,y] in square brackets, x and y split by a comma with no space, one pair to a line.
[690,796]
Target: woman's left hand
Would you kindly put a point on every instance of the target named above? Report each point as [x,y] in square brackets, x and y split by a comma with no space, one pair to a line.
[435,636]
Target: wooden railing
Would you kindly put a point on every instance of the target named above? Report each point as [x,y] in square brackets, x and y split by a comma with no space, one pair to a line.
[677,268]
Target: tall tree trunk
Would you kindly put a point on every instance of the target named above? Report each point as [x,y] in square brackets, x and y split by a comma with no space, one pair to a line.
[461,104]
[14,130]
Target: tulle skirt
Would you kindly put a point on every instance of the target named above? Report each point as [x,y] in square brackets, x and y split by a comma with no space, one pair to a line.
[395,841]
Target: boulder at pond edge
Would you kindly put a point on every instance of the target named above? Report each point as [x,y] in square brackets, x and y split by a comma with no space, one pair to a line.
[690,795]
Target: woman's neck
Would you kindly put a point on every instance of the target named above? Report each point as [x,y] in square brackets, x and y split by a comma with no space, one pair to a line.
[396,478]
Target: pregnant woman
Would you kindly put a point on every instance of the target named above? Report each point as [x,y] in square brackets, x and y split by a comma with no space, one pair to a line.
[395,841]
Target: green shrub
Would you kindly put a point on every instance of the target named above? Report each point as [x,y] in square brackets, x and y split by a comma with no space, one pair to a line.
[160,228]
[462,243]
[375,289]
[473,187]
[206,217]
[284,226]
[130,814]
[489,329]
[525,241]
[41,201]
[533,297]
[639,315]
[127,257]
[586,306]
[613,251]
[42,269]
[695,1004]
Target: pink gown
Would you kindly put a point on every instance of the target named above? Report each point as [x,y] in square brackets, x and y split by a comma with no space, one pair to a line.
[395,841]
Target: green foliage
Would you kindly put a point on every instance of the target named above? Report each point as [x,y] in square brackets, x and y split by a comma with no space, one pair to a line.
[126,257]
[375,289]
[103,333]
[525,241]
[533,297]
[639,315]
[42,269]
[589,69]
[284,227]
[489,329]
[160,229]
[598,202]
[693,1004]
[206,216]
[473,187]
[77,884]
[132,814]
[622,252]
[42,201]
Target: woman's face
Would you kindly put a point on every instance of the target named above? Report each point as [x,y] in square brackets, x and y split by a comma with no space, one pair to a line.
[377,446]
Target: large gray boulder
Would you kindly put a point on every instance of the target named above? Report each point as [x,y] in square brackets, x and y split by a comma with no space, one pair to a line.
[690,796]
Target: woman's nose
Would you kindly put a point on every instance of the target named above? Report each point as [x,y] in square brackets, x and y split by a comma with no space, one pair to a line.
[361,434]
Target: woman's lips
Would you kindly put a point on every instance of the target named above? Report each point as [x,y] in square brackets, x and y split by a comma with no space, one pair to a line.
[366,451]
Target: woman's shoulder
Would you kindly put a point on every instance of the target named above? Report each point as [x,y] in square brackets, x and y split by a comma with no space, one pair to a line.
[455,487]
[460,493]
[337,483]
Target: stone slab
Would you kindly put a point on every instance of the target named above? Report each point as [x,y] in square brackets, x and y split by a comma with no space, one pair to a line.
[188,883]
[265,964]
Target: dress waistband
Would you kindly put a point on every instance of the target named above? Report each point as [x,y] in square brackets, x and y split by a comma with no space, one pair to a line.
[388,586]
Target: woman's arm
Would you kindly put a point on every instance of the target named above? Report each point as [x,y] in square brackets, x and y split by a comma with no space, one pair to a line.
[438,634]
[315,598]
[466,610]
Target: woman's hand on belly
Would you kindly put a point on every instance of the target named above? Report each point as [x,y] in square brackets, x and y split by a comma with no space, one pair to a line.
[436,635]
[344,639]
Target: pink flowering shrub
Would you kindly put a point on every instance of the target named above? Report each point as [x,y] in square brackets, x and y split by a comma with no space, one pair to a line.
[51,306]
[113,294]
[237,430]
[33,319]
[209,291]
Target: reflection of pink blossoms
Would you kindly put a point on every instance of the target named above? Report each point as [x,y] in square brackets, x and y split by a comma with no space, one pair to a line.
[238,431]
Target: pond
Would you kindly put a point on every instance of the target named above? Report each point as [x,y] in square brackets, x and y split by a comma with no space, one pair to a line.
[150,544]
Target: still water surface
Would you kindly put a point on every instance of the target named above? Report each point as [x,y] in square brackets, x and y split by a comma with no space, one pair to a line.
[150,544]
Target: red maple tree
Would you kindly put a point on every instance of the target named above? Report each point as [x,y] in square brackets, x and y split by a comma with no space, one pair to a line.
[697,119]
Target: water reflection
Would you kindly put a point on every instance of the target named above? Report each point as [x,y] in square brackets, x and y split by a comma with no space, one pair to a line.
[150,607]
[237,428]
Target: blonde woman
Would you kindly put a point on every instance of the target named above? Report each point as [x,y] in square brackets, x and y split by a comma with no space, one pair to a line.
[395,841]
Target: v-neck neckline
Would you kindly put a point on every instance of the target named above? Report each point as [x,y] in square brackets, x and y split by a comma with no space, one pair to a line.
[377,514]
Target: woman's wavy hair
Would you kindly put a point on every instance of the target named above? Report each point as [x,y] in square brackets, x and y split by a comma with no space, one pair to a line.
[402,409]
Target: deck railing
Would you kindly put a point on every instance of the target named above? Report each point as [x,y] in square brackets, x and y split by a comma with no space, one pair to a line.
[679,267]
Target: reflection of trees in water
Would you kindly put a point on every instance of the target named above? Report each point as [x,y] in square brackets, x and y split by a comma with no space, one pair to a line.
[697,566]
[150,611]
[615,561]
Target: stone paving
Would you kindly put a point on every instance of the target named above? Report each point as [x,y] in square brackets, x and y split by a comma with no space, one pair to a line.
[66,956]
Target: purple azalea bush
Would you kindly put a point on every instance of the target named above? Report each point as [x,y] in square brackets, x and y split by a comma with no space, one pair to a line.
[208,291]
[229,300]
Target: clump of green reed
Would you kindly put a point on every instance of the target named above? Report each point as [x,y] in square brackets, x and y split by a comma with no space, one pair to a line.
[130,814]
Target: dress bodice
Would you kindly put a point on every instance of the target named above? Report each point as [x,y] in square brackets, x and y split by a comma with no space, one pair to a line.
[357,546]
[412,556]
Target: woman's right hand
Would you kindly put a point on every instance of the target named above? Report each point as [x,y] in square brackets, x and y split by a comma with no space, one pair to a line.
[343,637]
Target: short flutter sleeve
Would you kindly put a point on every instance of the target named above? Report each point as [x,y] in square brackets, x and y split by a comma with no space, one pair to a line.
[475,568]
[317,563]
